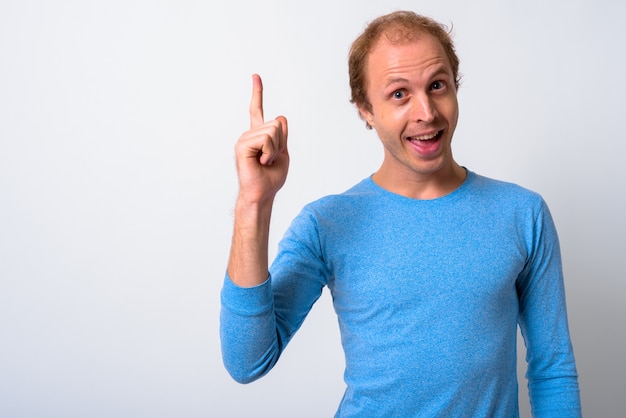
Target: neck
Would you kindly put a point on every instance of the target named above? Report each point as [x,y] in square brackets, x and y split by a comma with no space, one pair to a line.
[425,186]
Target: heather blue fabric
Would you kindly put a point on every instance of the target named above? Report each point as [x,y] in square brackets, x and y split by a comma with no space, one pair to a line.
[428,295]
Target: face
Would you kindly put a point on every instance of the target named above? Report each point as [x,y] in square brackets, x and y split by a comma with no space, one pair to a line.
[414,110]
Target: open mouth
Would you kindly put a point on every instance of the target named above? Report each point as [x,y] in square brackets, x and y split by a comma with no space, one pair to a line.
[428,137]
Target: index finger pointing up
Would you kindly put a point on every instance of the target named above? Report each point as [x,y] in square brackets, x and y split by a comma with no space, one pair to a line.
[256,104]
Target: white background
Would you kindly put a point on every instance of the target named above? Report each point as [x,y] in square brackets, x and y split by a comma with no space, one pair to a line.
[117,182]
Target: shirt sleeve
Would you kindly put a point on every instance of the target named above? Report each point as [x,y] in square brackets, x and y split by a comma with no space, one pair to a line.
[257,323]
[552,376]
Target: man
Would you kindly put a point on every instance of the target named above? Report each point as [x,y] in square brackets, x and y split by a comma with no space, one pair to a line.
[431,267]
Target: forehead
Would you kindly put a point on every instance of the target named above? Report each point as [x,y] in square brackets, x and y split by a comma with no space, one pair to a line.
[418,53]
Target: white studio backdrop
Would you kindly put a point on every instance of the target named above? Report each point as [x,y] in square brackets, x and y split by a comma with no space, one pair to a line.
[117,183]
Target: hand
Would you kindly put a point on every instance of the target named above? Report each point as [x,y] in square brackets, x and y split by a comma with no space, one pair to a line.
[261,152]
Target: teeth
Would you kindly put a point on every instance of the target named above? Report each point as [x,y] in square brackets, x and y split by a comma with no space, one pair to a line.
[423,137]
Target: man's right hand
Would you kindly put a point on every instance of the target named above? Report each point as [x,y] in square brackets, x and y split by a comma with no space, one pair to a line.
[262,165]
[261,152]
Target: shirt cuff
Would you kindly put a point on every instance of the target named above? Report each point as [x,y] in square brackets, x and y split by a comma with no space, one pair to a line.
[248,301]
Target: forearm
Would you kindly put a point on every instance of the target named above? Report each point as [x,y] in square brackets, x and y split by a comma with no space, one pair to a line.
[555,397]
[247,321]
[248,262]
[258,321]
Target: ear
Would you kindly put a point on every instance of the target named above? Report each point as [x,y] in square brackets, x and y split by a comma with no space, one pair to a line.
[367,116]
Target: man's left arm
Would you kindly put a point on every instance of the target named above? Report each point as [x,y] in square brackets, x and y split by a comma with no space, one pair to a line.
[552,375]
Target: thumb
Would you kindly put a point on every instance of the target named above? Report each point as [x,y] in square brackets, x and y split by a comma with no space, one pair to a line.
[284,127]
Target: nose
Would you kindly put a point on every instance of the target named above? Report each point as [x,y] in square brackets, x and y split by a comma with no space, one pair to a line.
[423,108]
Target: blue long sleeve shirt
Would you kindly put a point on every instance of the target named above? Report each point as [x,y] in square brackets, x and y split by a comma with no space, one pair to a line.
[428,295]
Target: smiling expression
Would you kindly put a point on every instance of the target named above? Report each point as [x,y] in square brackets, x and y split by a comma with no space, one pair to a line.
[414,109]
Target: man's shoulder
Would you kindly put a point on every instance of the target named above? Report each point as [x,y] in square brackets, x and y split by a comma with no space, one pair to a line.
[343,205]
[506,197]
[360,190]
[489,185]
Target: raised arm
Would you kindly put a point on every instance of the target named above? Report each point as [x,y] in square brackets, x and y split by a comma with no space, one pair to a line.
[262,165]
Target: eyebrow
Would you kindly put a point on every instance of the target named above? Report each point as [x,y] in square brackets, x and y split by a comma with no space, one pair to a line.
[396,80]
[440,69]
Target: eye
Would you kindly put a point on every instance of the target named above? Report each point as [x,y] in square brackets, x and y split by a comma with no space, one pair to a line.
[398,94]
[438,85]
